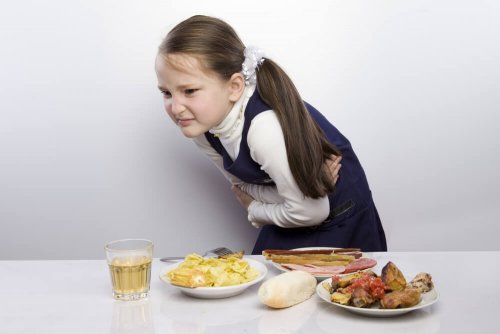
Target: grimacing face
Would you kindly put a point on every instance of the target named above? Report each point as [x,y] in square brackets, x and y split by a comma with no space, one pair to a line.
[194,98]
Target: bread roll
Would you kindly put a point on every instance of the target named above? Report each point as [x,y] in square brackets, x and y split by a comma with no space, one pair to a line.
[287,289]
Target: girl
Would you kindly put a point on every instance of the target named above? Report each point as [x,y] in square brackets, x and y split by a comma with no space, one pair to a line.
[280,154]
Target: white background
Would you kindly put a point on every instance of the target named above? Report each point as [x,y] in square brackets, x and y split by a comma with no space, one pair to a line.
[88,155]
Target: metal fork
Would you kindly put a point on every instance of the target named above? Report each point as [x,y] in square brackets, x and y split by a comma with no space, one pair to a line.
[219,251]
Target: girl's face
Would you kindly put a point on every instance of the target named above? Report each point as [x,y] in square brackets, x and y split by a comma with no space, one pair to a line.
[195,99]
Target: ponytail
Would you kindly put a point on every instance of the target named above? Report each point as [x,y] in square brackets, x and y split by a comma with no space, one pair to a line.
[306,145]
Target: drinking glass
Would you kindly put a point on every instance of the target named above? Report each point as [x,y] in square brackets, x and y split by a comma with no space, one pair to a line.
[129,262]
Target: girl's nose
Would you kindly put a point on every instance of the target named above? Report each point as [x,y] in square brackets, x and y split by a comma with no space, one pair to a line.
[177,106]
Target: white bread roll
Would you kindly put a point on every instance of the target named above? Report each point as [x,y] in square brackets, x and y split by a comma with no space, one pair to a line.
[287,289]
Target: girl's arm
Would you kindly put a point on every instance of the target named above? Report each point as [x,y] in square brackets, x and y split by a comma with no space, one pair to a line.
[268,194]
[267,147]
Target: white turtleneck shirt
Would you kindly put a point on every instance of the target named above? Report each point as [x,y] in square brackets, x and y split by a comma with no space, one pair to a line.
[283,204]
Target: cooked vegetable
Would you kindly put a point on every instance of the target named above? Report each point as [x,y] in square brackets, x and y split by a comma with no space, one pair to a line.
[345,280]
[341,298]
[393,277]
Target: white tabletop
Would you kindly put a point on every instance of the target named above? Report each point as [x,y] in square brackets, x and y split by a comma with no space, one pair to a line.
[75,297]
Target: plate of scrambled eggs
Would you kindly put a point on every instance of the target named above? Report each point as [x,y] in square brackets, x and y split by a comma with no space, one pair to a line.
[213,278]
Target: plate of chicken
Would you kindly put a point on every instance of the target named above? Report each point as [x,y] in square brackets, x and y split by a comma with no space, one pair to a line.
[387,295]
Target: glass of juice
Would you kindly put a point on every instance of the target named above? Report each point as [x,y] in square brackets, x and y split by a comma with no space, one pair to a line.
[129,262]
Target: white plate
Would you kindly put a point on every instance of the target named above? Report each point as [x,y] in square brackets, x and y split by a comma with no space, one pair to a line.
[318,276]
[217,292]
[428,299]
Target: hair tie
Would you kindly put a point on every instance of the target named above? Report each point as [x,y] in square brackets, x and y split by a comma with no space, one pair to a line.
[253,58]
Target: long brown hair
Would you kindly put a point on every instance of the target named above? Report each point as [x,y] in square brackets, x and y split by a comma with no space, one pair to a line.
[218,47]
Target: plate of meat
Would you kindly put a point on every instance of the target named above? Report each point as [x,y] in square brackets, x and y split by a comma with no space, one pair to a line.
[321,262]
[388,295]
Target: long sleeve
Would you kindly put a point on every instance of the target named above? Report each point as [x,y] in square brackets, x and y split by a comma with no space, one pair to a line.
[283,205]
[265,194]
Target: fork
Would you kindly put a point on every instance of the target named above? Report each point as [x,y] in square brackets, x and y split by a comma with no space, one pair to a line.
[219,251]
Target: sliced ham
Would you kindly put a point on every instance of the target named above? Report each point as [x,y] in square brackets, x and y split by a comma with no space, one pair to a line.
[315,270]
[356,265]
[360,264]
[333,269]
[291,266]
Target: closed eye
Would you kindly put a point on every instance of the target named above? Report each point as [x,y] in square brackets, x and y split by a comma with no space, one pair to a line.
[165,93]
[190,91]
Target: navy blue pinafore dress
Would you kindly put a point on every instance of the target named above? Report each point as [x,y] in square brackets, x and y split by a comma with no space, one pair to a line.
[353,220]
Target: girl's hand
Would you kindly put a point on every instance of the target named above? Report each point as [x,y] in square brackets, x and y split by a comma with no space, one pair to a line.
[333,164]
[242,196]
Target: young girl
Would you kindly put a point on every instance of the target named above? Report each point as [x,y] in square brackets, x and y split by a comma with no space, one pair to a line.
[280,154]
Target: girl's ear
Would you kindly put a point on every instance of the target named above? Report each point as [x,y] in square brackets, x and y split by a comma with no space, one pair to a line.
[236,86]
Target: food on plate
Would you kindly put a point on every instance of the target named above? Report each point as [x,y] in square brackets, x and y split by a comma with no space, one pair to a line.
[393,277]
[287,289]
[314,259]
[320,269]
[315,270]
[422,282]
[356,252]
[197,271]
[343,298]
[360,264]
[360,290]
[361,297]
[407,297]
[367,289]
[345,280]
[320,261]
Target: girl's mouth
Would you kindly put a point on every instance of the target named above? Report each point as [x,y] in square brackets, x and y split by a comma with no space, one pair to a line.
[184,122]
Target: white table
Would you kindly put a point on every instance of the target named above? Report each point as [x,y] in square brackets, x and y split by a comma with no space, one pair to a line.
[75,297]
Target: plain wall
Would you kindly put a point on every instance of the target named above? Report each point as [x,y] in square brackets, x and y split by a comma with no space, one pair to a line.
[88,155]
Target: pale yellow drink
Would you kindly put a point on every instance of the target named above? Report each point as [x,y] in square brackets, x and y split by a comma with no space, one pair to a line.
[129,263]
[130,275]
